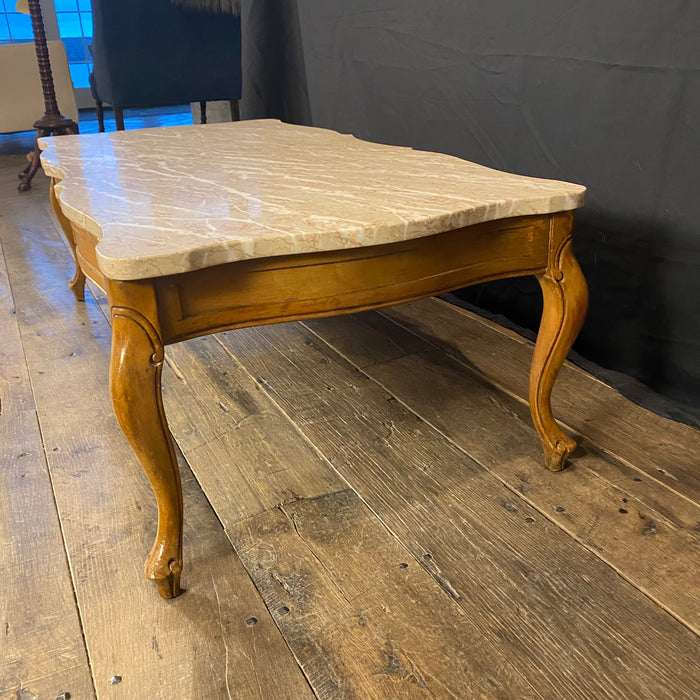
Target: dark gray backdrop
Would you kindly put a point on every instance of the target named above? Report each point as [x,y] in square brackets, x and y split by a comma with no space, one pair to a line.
[603,92]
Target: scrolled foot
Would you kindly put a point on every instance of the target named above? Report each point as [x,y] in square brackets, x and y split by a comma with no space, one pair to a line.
[164,567]
[565,297]
[77,284]
[169,587]
[556,454]
[165,573]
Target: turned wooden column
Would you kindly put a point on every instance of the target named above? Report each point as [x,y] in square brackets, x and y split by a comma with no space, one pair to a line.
[53,122]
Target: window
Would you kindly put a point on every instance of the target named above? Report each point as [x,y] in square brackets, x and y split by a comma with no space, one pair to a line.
[75,27]
[74,19]
[14,26]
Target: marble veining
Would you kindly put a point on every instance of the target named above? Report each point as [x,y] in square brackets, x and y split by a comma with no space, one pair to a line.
[173,199]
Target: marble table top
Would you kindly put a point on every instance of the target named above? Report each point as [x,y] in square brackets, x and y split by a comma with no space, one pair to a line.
[174,199]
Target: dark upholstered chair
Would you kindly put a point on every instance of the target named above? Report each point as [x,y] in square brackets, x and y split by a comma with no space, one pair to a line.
[152,53]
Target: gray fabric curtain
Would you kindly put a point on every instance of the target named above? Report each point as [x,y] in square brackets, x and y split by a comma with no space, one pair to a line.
[273,62]
[601,92]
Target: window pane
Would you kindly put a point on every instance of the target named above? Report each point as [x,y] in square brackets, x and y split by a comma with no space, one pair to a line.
[86,19]
[20,26]
[75,48]
[79,74]
[69,24]
[75,28]
[4,29]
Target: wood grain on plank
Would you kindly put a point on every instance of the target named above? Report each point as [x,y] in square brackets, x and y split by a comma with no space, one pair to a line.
[225,423]
[240,446]
[372,338]
[362,616]
[574,626]
[341,629]
[203,437]
[199,645]
[41,645]
[663,449]
[626,527]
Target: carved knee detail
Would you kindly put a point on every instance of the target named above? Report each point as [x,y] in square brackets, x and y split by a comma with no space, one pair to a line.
[565,301]
[135,386]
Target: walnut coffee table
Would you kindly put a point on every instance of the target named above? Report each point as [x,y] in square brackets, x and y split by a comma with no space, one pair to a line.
[198,229]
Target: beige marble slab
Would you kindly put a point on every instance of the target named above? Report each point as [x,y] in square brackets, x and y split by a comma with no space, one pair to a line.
[173,199]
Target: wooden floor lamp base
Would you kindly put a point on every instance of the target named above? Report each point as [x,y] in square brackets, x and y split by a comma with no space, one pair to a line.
[48,125]
[53,122]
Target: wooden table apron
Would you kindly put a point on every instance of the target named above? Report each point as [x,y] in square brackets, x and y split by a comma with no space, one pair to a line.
[150,313]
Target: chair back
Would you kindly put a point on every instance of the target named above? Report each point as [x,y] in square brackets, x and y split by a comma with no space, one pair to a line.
[152,53]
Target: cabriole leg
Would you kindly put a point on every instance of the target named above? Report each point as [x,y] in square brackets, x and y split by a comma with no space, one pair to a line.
[135,387]
[77,284]
[565,296]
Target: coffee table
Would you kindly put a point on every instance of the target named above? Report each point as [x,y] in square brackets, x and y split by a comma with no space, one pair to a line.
[198,229]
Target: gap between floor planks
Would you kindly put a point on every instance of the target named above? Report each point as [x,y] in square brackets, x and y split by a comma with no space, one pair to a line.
[38,621]
[224,398]
[664,450]
[264,511]
[646,531]
[352,638]
[139,646]
[208,361]
[370,652]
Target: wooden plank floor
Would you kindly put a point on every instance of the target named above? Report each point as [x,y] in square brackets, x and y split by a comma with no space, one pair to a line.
[366,511]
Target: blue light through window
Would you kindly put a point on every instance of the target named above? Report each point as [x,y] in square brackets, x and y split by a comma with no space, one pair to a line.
[20,27]
[74,25]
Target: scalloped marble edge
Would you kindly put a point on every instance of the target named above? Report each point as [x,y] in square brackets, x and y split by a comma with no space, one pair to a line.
[227,250]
